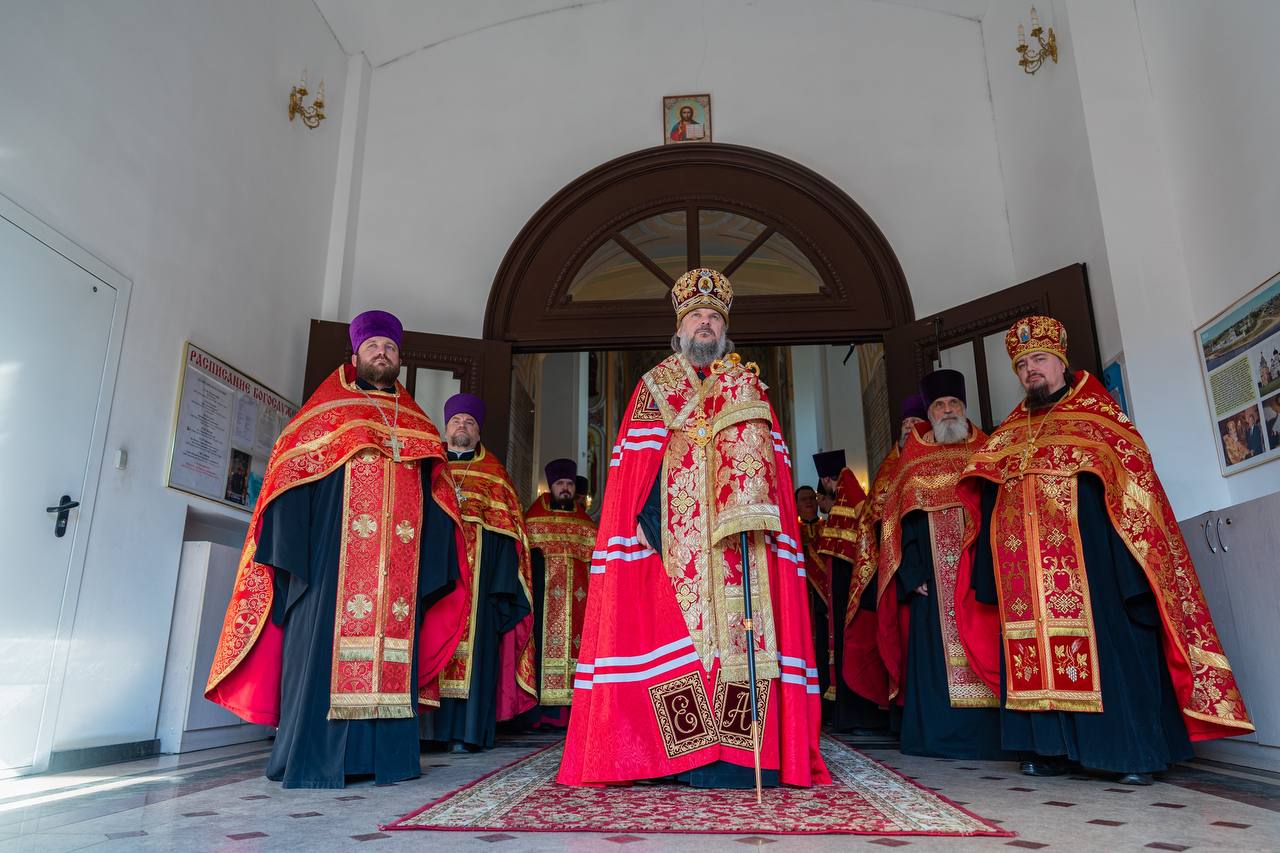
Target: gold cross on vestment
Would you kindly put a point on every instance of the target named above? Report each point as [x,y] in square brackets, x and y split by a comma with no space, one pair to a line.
[395,444]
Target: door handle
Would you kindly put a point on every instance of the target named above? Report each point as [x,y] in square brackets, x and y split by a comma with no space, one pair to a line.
[63,509]
[1213,549]
[1218,529]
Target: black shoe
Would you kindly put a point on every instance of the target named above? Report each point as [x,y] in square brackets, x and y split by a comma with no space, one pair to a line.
[1135,779]
[1043,768]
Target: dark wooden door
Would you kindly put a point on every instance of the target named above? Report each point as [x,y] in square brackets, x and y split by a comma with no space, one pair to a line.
[970,338]
[433,366]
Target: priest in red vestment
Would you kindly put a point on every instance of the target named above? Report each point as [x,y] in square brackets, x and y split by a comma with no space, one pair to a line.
[352,590]
[947,710]
[818,572]
[491,676]
[862,668]
[1108,656]
[852,640]
[662,686]
[561,538]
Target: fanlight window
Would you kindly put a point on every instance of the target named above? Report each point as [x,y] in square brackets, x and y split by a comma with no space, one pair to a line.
[644,259]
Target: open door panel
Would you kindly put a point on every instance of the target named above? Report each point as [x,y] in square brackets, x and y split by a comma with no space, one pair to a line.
[970,338]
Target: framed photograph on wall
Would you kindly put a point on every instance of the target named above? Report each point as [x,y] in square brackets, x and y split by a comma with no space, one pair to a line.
[1239,353]
[686,118]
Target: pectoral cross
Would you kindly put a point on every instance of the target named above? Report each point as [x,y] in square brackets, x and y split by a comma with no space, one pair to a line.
[395,444]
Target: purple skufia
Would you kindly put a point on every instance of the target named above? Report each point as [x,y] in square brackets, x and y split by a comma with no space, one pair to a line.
[561,469]
[375,324]
[464,404]
[915,407]
[942,383]
[830,463]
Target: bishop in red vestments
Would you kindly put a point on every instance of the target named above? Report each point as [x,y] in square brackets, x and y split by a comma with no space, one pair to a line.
[661,687]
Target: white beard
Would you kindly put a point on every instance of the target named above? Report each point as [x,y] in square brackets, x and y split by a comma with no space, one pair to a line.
[950,431]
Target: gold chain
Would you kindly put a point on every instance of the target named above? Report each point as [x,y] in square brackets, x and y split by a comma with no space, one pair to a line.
[390,425]
[1032,439]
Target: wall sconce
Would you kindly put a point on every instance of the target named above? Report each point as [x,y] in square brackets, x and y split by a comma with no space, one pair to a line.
[312,115]
[1029,58]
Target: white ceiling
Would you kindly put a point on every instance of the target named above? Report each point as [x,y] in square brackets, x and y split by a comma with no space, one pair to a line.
[385,30]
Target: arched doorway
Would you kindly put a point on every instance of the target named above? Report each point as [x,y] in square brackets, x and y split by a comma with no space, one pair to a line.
[593,266]
[591,270]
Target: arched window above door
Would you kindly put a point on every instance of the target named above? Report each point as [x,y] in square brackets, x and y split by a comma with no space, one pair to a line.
[593,267]
[644,259]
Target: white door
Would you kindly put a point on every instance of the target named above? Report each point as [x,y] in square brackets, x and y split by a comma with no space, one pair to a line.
[56,341]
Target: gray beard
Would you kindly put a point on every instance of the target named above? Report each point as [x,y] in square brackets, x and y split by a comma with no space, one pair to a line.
[702,353]
[950,431]
[460,441]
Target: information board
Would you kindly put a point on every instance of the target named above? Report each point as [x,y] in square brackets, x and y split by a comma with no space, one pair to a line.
[225,427]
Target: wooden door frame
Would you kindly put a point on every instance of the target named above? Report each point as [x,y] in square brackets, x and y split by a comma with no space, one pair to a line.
[863,291]
[1063,293]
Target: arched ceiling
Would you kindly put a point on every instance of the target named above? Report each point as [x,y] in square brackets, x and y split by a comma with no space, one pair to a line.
[387,30]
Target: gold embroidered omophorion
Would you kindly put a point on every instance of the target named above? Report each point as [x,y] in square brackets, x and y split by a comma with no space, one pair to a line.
[717,481]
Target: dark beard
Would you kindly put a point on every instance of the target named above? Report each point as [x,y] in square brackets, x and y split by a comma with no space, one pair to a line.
[378,377]
[1039,396]
[562,504]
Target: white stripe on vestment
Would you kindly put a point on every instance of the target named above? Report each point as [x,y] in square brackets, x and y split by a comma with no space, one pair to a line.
[787,540]
[642,445]
[585,667]
[597,569]
[798,663]
[632,660]
[799,571]
[788,678]
[624,540]
[635,432]
[665,666]
[628,556]
[581,685]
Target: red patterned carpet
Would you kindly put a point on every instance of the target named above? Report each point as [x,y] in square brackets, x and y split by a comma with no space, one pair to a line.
[866,799]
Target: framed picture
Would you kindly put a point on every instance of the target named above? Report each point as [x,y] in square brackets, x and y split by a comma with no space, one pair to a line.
[1239,353]
[686,118]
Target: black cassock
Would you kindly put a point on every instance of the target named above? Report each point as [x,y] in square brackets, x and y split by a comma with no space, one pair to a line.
[1140,729]
[930,724]
[501,605]
[301,537]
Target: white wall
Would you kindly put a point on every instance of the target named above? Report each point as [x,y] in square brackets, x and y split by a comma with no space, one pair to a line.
[467,138]
[1145,152]
[1054,219]
[154,134]
[1214,82]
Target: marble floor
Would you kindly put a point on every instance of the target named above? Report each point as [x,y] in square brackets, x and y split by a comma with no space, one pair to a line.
[217,800]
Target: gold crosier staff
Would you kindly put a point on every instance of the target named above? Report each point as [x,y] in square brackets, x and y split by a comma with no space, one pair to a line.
[751,657]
